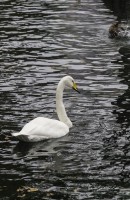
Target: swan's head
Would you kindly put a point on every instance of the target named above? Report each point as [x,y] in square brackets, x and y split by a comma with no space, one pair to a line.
[69,82]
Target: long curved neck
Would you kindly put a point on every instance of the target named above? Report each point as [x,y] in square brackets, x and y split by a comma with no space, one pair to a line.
[60,106]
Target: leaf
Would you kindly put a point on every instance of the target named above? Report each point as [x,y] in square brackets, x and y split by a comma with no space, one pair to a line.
[32,190]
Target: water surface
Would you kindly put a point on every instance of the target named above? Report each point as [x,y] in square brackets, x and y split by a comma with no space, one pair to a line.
[40,43]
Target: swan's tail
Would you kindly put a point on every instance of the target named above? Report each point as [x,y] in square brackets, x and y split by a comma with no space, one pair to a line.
[15,134]
[20,137]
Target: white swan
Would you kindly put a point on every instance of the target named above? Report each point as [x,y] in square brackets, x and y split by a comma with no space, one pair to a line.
[42,128]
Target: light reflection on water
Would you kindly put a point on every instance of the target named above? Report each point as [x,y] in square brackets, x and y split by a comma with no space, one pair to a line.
[40,43]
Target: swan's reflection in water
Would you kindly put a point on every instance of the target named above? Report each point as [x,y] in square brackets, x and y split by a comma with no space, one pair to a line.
[47,154]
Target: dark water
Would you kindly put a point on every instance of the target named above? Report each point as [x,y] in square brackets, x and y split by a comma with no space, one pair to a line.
[40,42]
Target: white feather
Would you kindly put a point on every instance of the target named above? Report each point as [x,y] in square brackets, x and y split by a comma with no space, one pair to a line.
[42,128]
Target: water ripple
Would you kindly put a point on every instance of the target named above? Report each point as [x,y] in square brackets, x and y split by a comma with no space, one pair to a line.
[40,43]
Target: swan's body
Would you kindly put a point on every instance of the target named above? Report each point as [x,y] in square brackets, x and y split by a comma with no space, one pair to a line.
[42,128]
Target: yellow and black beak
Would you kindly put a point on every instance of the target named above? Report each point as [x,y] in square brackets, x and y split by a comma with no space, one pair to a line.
[75,87]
